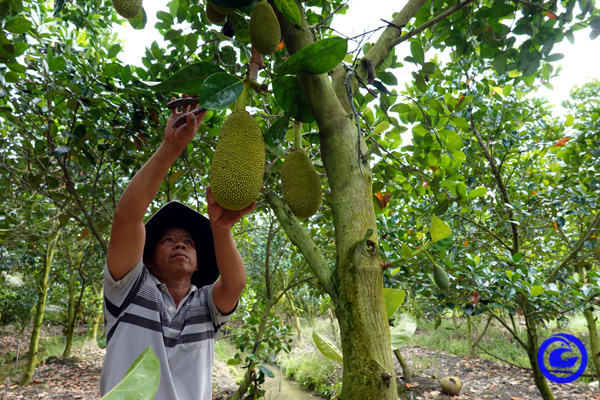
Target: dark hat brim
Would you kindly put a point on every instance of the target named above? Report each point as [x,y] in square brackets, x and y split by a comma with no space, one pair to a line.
[176,214]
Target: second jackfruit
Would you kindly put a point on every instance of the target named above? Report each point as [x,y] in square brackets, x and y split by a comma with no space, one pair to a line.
[300,184]
[440,277]
[127,8]
[237,167]
[264,30]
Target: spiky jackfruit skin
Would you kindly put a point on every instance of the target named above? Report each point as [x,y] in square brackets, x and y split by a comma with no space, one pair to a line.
[238,164]
[213,15]
[264,30]
[127,8]
[300,184]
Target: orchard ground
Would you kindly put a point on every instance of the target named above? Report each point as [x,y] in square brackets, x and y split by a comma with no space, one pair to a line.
[483,378]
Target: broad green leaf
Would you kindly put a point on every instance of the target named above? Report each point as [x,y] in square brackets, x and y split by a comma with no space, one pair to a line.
[438,229]
[113,51]
[327,348]
[139,21]
[316,58]
[178,174]
[517,257]
[219,90]
[417,52]
[537,290]
[187,80]
[18,25]
[276,132]
[451,139]
[290,97]
[393,299]
[290,10]
[61,151]
[141,380]
[56,64]
[233,361]
[266,371]
[404,328]
[381,127]
[478,192]
[406,251]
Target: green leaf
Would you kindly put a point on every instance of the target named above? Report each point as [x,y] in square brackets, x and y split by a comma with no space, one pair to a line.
[381,127]
[141,380]
[406,251]
[451,139]
[266,371]
[139,21]
[537,290]
[18,25]
[393,299]
[417,52]
[188,80]
[316,58]
[113,51]
[56,64]
[219,90]
[478,192]
[233,361]
[327,348]
[438,229]
[277,130]
[404,328]
[61,151]
[290,10]
[290,97]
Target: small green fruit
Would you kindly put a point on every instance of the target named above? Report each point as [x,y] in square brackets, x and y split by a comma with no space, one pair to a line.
[451,385]
[440,277]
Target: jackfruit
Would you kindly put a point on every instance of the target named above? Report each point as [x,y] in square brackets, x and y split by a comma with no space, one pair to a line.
[300,184]
[127,8]
[237,167]
[213,15]
[451,385]
[264,30]
[440,277]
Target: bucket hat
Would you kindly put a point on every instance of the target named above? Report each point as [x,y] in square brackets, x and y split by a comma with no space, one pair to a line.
[176,214]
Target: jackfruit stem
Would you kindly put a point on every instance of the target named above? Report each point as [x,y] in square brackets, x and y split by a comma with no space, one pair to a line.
[240,104]
[297,135]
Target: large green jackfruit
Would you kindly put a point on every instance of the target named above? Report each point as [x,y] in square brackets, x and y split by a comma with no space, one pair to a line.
[238,164]
[264,30]
[127,8]
[440,277]
[300,184]
[213,15]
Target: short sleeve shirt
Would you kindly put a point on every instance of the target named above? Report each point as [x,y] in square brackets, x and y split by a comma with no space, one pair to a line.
[139,312]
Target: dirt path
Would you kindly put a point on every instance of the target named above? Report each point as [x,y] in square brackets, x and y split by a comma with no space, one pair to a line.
[482,379]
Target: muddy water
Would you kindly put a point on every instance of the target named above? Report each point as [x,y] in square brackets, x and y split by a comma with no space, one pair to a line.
[281,388]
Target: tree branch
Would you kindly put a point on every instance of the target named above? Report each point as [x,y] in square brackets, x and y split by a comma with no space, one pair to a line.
[501,186]
[595,225]
[510,330]
[302,240]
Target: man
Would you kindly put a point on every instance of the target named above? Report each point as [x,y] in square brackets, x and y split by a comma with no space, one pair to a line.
[159,279]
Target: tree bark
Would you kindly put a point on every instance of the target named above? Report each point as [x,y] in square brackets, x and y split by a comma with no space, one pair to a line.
[532,350]
[594,343]
[405,367]
[39,312]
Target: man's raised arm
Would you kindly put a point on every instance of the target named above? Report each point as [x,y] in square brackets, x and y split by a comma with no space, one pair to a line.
[128,234]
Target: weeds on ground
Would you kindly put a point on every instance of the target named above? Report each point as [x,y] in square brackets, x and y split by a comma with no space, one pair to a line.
[309,368]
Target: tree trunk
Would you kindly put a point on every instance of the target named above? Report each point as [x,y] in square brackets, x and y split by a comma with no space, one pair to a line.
[405,368]
[93,332]
[594,343]
[70,320]
[532,350]
[472,353]
[247,381]
[39,312]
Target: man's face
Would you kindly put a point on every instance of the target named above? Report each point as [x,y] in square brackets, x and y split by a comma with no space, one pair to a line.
[174,255]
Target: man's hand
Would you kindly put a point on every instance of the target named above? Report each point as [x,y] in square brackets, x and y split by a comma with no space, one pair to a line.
[183,135]
[222,217]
